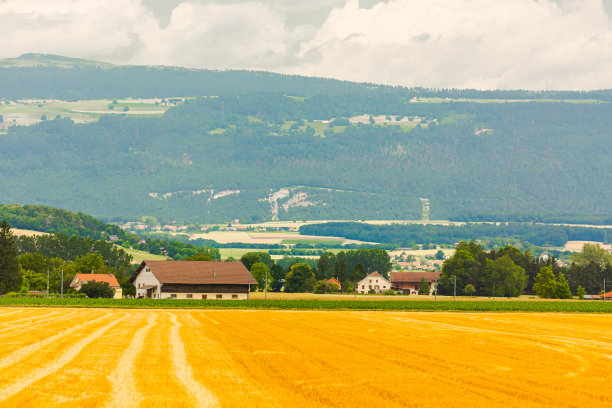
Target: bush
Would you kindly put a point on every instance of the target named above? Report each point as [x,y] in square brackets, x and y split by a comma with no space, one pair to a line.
[390,292]
[325,286]
[95,289]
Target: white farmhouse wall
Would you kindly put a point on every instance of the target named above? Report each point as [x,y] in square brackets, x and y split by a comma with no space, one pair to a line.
[213,295]
[118,293]
[379,284]
[144,280]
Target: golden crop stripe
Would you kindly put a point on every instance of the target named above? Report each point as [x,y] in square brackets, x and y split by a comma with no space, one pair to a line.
[34,317]
[122,378]
[25,351]
[57,364]
[231,384]
[182,369]
[33,325]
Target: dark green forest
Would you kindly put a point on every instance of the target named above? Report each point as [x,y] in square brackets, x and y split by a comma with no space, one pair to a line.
[219,158]
[405,235]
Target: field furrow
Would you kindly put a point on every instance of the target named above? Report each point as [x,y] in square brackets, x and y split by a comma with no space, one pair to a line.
[201,396]
[124,393]
[20,351]
[19,383]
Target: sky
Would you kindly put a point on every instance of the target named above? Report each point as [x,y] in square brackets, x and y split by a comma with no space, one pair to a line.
[482,44]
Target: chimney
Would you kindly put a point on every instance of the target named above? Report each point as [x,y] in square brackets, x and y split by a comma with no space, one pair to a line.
[214,274]
[91,271]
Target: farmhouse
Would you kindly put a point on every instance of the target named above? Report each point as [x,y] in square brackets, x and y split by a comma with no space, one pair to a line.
[192,280]
[81,278]
[375,282]
[408,282]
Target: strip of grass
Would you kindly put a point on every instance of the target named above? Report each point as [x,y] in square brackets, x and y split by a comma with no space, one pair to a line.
[314,241]
[465,306]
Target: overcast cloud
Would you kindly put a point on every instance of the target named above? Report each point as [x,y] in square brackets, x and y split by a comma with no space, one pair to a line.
[486,44]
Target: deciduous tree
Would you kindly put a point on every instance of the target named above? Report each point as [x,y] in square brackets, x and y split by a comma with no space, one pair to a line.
[95,289]
[261,273]
[300,278]
[545,284]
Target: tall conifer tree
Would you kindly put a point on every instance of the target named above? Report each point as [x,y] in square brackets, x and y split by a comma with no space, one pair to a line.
[10,279]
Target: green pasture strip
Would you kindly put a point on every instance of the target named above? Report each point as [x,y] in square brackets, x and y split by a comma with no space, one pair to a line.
[314,241]
[236,253]
[462,306]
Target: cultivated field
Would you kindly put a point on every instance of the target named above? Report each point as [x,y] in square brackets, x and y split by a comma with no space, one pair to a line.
[185,358]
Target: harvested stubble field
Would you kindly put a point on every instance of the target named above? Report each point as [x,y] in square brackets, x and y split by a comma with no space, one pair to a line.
[184,358]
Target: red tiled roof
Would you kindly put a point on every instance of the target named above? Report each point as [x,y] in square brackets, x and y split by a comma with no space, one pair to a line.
[99,277]
[413,277]
[375,274]
[336,281]
[198,272]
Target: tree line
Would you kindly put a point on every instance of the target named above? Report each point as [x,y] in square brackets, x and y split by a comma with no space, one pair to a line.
[27,262]
[406,235]
[510,272]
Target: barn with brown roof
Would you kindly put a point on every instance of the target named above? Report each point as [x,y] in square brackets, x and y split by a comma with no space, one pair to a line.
[192,280]
[408,282]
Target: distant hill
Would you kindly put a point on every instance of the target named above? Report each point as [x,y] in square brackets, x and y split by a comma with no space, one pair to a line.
[54,77]
[270,146]
[33,60]
[46,76]
[262,156]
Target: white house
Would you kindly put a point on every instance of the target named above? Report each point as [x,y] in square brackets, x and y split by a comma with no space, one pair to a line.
[374,281]
[192,280]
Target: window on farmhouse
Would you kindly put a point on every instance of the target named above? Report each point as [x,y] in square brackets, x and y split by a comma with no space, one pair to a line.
[234,296]
[204,296]
[219,296]
[362,286]
[189,296]
[173,296]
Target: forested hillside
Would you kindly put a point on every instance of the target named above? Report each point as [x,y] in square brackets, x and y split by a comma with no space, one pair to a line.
[217,159]
[334,151]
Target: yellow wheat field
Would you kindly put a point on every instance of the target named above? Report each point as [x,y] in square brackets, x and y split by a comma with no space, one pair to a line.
[193,358]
